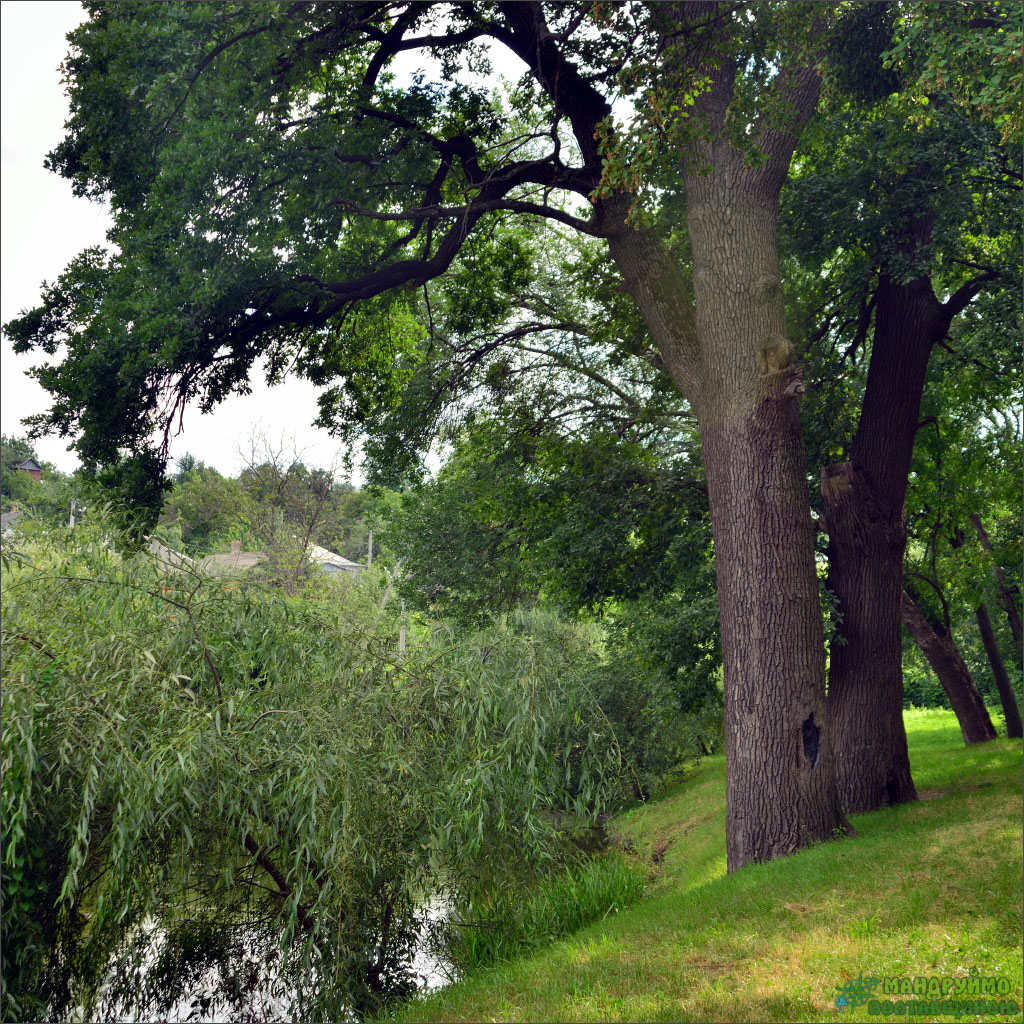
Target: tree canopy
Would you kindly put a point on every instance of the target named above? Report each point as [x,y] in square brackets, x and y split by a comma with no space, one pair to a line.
[282,192]
[267,173]
[287,182]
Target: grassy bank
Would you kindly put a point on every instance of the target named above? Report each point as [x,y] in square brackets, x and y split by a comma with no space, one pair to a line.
[925,889]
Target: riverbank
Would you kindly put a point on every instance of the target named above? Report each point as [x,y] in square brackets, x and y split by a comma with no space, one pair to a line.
[925,890]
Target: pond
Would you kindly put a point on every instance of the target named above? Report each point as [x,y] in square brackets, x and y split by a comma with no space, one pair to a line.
[267,1000]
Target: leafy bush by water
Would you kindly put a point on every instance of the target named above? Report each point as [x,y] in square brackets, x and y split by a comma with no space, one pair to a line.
[217,760]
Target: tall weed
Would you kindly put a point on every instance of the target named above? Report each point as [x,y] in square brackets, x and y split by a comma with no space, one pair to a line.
[507,921]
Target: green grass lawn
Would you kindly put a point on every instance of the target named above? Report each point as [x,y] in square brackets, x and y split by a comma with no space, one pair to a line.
[925,889]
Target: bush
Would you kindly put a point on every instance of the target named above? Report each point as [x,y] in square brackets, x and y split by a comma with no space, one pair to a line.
[662,717]
[660,686]
[258,778]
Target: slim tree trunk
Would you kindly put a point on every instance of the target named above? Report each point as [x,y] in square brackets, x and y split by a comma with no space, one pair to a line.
[1011,712]
[1008,596]
[944,657]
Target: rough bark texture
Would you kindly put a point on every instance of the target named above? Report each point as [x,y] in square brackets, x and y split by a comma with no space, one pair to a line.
[938,647]
[729,355]
[1008,598]
[865,696]
[1011,712]
[778,746]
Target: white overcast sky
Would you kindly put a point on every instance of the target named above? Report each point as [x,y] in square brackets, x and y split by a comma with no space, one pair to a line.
[44,226]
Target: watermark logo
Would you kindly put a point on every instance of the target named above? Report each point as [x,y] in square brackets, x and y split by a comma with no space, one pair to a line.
[960,996]
[856,992]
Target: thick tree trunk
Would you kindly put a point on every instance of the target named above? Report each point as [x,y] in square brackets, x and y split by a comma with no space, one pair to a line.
[777,743]
[1007,596]
[779,768]
[862,510]
[865,696]
[1011,712]
[944,657]
[728,353]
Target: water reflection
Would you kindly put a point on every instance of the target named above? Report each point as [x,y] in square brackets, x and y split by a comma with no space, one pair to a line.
[266,999]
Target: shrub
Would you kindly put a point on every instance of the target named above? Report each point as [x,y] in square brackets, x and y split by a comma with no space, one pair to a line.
[259,778]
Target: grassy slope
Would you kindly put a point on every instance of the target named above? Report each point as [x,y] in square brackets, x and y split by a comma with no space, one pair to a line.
[930,888]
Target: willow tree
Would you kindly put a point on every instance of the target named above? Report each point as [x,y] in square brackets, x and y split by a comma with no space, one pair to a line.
[284,178]
[228,784]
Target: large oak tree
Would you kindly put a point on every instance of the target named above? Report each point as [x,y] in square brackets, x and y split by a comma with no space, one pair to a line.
[280,186]
[903,247]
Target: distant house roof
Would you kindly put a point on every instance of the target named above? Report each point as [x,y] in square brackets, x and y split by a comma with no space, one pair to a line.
[31,465]
[329,561]
[169,555]
[232,560]
[321,556]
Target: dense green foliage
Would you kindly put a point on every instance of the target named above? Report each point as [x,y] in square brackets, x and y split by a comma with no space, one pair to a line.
[259,779]
[520,512]
[969,52]
[48,499]
[594,526]
[592,530]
